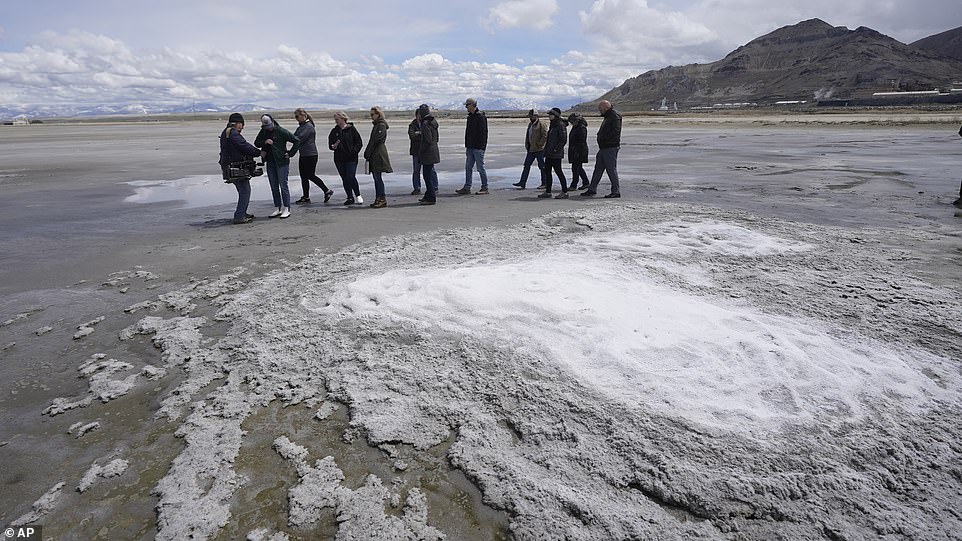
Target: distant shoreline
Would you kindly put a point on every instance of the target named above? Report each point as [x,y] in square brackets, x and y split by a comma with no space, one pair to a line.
[801,115]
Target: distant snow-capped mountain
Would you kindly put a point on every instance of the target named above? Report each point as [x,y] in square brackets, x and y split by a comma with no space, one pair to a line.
[79,110]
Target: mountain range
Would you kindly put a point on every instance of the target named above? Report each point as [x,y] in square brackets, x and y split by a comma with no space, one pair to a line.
[802,62]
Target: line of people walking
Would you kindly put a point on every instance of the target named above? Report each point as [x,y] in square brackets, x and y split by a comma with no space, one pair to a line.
[544,142]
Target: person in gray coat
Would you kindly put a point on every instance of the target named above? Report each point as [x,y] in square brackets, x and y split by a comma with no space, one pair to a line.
[307,160]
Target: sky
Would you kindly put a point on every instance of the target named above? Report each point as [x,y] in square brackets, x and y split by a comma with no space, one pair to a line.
[399,53]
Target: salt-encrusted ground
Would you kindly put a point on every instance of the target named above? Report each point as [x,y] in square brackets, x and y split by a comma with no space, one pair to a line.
[639,371]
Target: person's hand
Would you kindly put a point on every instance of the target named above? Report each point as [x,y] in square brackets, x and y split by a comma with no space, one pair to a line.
[268,141]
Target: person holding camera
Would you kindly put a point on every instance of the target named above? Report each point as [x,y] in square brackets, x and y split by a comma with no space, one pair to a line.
[274,139]
[237,164]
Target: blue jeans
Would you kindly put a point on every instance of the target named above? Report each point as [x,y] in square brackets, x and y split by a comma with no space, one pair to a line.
[277,176]
[243,198]
[606,161]
[416,175]
[430,181]
[528,160]
[348,174]
[474,156]
[378,184]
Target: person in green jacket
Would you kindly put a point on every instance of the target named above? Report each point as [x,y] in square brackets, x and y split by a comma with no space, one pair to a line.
[273,139]
[378,161]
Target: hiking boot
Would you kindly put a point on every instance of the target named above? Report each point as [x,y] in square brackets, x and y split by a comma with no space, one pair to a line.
[482,191]
[251,216]
[327,195]
[277,212]
[379,203]
[302,200]
[245,220]
[589,193]
[613,196]
[463,191]
[562,195]
[544,195]
[286,213]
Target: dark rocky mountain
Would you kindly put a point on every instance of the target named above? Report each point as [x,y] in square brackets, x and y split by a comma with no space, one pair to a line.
[809,60]
[948,43]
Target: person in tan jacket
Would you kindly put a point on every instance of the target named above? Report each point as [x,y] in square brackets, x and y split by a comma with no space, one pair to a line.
[534,140]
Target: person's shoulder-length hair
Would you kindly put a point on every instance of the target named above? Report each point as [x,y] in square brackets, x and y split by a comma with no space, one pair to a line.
[377,110]
[342,115]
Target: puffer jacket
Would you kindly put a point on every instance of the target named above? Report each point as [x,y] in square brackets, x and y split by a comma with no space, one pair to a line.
[348,141]
[429,152]
[535,139]
[376,154]
[554,148]
[578,141]
[279,153]
[308,136]
[609,134]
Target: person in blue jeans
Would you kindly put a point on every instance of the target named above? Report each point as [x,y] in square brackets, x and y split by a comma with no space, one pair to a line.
[273,139]
[346,143]
[475,142]
[234,149]
[377,157]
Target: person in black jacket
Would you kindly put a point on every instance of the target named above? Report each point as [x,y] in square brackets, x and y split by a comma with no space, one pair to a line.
[414,134]
[554,153]
[475,142]
[578,150]
[606,161]
[346,143]
[237,154]
[428,153]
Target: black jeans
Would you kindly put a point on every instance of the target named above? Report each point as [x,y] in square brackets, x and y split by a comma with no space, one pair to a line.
[306,166]
[554,163]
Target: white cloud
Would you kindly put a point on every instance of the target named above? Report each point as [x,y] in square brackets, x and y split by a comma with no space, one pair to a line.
[522,13]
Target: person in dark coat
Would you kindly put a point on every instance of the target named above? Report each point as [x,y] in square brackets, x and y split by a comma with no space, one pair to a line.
[554,153]
[273,139]
[609,142]
[578,150]
[475,142]
[377,157]
[346,143]
[237,152]
[414,134]
[428,153]
[307,159]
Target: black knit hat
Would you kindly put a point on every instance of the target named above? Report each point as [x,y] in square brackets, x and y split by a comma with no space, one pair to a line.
[555,111]
[235,117]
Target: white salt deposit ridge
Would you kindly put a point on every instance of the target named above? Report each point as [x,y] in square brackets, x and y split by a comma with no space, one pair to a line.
[597,311]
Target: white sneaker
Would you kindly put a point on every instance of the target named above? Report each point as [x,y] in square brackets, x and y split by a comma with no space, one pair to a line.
[276,213]
[359,199]
[286,213]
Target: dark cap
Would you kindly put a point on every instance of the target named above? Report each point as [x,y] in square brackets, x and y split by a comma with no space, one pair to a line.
[555,111]
[235,117]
